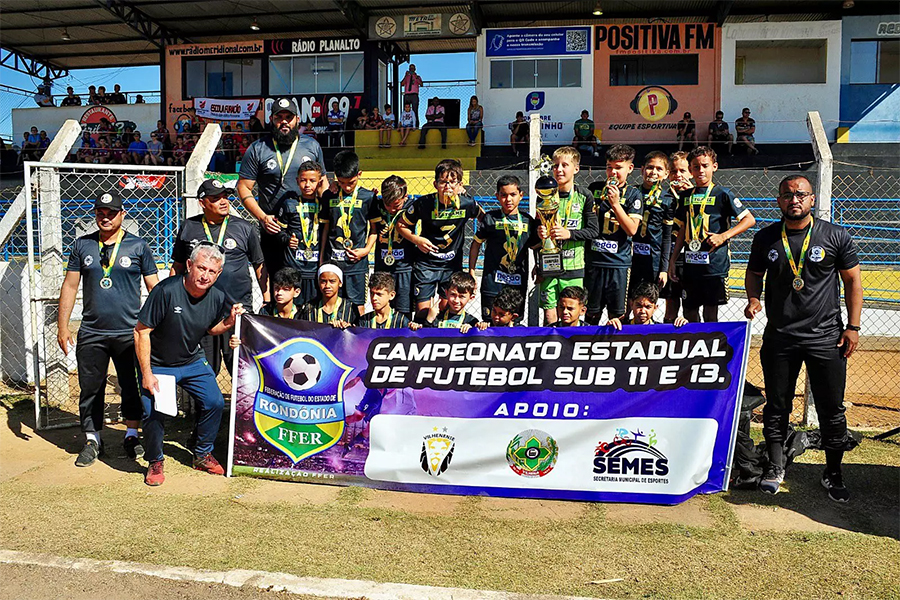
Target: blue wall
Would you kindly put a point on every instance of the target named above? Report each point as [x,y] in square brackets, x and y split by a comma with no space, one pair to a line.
[870,110]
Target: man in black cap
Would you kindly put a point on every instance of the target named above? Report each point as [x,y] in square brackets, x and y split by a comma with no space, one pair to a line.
[239,241]
[272,164]
[804,261]
[112,262]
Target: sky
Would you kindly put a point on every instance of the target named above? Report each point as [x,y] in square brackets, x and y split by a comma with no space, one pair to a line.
[146,79]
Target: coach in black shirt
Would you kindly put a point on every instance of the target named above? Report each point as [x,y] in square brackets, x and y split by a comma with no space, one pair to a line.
[803,261]
[178,312]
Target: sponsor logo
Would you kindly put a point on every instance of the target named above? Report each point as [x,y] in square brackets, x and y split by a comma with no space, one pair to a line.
[773,255]
[631,456]
[106,198]
[177,310]
[88,260]
[460,24]
[437,451]
[532,453]
[230,244]
[142,182]
[125,262]
[816,253]
[271,164]
[534,101]
[654,103]
[197,50]
[299,407]
[385,27]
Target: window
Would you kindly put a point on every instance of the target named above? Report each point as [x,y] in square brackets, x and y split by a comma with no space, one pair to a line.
[654,69]
[539,73]
[223,77]
[875,61]
[780,62]
[316,74]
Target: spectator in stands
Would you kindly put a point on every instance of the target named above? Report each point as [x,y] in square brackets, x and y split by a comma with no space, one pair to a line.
[375,120]
[44,94]
[518,134]
[434,116]
[255,128]
[190,142]
[390,121]
[154,151]
[127,135]
[71,99]
[245,143]
[179,153]
[102,98]
[104,129]
[745,127]
[238,135]
[85,152]
[195,120]
[118,154]
[686,130]
[407,122]
[117,97]
[335,127]
[93,99]
[584,133]
[31,144]
[718,132]
[162,134]
[475,120]
[218,162]
[102,152]
[411,83]
[139,99]
[308,129]
[137,150]
[362,119]
[44,142]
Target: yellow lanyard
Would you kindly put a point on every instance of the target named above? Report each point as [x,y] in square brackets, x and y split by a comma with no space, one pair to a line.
[438,204]
[443,322]
[293,313]
[695,226]
[390,231]
[320,312]
[347,216]
[387,322]
[652,198]
[796,268]
[512,243]
[281,163]
[307,230]
[209,234]
[112,259]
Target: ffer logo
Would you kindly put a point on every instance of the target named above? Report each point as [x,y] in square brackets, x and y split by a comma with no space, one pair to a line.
[629,458]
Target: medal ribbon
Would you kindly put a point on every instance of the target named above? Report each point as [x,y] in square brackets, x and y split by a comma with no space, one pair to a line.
[796,268]
[346,216]
[512,243]
[695,224]
[281,163]
[387,322]
[653,195]
[209,234]
[112,259]
[390,231]
[320,312]
[444,319]
[438,203]
[293,312]
[308,236]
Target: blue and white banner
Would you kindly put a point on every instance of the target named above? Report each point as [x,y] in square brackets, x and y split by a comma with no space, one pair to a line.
[538,41]
[643,415]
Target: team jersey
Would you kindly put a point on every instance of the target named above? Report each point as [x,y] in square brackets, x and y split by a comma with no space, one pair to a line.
[340,211]
[499,270]
[577,214]
[677,202]
[270,310]
[300,216]
[444,320]
[814,311]
[240,243]
[346,311]
[112,310]
[444,226]
[651,251]
[261,165]
[721,207]
[401,249]
[611,248]
[396,320]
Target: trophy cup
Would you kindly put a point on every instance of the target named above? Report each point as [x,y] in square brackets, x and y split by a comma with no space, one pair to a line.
[547,207]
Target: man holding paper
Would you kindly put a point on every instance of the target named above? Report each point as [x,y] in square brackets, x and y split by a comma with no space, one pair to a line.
[178,312]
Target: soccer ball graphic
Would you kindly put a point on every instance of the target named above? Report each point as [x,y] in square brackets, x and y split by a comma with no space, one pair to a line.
[301,371]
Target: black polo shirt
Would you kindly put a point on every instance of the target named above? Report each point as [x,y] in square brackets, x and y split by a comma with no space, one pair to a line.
[815,311]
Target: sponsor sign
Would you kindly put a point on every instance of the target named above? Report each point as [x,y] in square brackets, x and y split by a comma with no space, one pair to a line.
[538,41]
[643,415]
[431,25]
[201,50]
[226,110]
[888,28]
[315,107]
[314,46]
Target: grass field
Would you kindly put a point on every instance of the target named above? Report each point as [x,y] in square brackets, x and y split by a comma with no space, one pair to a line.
[735,545]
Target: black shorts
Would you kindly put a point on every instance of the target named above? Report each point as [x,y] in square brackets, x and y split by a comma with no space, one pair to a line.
[641,272]
[428,281]
[607,288]
[354,287]
[309,291]
[704,291]
[403,300]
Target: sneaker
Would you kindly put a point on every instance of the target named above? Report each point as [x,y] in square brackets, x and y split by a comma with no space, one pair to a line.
[834,483]
[155,475]
[771,480]
[133,448]
[89,454]
[209,464]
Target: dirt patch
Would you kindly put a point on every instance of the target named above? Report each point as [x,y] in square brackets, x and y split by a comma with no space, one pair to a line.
[425,504]
[691,513]
[521,509]
[754,517]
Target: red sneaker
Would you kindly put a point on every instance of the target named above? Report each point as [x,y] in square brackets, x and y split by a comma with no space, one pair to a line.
[155,475]
[209,464]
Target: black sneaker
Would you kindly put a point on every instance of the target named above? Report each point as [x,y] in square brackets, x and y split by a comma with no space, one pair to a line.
[133,448]
[89,454]
[771,480]
[834,483]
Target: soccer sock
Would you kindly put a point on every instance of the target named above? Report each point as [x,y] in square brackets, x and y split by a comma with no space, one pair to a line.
[833,460]
[131,432]
[93,436]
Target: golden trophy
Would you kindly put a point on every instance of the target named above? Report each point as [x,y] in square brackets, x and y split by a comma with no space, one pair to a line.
[547,207]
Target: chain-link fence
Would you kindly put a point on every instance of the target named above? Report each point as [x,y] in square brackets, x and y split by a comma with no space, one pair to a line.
[16,360]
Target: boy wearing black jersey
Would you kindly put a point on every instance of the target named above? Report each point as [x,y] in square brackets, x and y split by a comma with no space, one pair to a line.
[460,291]
[331,308]
[643,304]
[394,253]
[572,307]
[301,237]
[681,185]
[383,316]
[350,217]
[652,243]
[443,216]
[705,228]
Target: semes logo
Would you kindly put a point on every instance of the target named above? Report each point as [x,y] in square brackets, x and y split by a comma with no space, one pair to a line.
[626,455]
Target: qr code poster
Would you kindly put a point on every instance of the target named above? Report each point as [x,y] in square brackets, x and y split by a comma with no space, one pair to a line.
[576,40]
[538,41]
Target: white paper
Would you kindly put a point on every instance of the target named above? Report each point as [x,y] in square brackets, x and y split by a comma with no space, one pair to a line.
[164,400]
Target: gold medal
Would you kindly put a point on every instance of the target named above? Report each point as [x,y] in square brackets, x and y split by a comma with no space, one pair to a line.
[797,284]
[308,254]
[695,223]
[106,283]
[347,243]
[389,260]
[695,245]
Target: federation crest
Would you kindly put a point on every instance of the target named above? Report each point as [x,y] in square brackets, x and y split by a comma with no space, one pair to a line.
[532,453]
[299,407]
[773,255]
[271,164]
[816,253]
[230,244]
[88,260]
[125,262]
[437,451]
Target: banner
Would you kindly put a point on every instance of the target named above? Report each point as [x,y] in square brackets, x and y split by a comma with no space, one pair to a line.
[646,415]
[538,41]
[226,110]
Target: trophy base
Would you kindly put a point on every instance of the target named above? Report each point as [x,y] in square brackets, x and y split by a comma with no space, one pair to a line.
[550,263]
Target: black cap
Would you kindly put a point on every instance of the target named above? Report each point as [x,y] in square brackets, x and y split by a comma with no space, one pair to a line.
[288,104]
[212,187]
[110,199]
